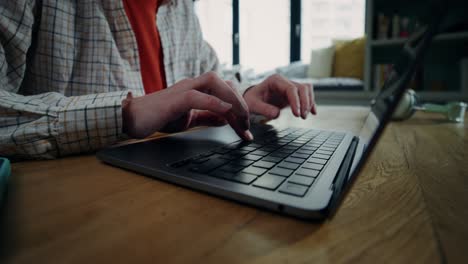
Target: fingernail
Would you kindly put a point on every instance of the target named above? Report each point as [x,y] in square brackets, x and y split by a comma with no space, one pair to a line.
[225,105]
[248,135]
[298,111]
[306,112]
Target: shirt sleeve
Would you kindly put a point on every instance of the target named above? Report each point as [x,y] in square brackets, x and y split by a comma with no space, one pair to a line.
[46,125]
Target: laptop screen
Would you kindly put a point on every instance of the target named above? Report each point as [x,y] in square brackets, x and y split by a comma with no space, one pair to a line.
[384,104]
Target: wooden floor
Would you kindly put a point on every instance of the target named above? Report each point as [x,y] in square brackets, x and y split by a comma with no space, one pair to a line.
[409,205]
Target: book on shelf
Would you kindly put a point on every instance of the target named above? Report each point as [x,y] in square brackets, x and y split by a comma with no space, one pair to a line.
[395,26]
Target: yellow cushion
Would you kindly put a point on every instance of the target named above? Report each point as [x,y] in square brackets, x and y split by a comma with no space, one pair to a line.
[349,59]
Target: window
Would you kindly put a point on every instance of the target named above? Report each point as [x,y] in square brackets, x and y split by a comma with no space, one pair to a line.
[264,34]
[326,20]
[216,22]
[264,28]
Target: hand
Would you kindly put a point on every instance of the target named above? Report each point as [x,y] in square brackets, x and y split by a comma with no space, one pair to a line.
[276,92]
[205,100]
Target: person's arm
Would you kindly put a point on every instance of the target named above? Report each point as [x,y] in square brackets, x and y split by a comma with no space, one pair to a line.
[46,125]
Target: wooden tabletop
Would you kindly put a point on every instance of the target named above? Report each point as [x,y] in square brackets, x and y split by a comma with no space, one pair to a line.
[409,205]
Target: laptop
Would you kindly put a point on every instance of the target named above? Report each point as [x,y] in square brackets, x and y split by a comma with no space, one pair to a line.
[294,171]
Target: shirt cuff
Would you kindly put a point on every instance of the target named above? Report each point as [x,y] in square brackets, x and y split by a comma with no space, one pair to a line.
[90,122]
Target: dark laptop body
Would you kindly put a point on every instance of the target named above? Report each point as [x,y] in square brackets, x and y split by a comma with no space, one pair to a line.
[326,161]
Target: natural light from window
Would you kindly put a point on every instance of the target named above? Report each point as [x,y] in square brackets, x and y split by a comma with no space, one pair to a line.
[215,18]
[264,28]
[264,34]
[326,20]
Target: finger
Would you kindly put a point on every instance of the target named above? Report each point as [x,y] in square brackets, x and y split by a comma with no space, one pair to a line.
[207,118]
[193,99]
[238,116]
[260,107]
[313,105]
[210,83]
[238,128]
[279,83]
[304,97]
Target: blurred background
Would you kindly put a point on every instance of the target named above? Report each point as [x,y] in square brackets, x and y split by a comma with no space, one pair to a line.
[345,48]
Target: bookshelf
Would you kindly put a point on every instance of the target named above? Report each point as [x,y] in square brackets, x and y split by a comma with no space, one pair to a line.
[458,36]
[440,78]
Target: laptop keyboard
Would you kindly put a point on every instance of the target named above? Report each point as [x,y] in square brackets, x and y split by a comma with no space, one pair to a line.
[288,161]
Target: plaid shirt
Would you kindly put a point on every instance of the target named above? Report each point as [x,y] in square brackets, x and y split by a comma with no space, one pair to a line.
[66,66]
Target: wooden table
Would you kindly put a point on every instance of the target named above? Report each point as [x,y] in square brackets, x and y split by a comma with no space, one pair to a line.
[409,205]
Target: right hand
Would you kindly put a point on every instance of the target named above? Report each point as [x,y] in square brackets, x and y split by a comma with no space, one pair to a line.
[203,101]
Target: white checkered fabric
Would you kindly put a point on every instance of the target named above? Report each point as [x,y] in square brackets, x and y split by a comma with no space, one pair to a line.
[65,67]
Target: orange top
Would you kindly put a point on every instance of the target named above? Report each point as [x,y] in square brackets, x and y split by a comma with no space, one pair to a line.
[142,16]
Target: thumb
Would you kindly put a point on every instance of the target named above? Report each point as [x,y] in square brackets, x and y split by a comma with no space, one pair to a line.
[260,107]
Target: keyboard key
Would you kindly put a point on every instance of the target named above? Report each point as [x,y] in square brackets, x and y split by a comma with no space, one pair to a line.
[295,160]
[252,157]
[293,189]
[254,170]
[222,150]
[241,162]
[248,148]
[272,159]
[239,152]
[307,172]
[300,141]
[268,149]
[313,166]
[281,171]
[264,164]
[318,161]
[260,153]
[314,146]
[279,154]
[243,178]
[289,147]
[327,148]
[288,165]
[208,166]
[298,179]
[231,156]
[273,146]
[269,181]
[231,168]
[308,148]
[307,152]
[321,156]
[301,156]
[253,145]
[324,152]
[288,151]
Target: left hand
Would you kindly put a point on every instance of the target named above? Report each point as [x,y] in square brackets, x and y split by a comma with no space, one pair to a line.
[276,92]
